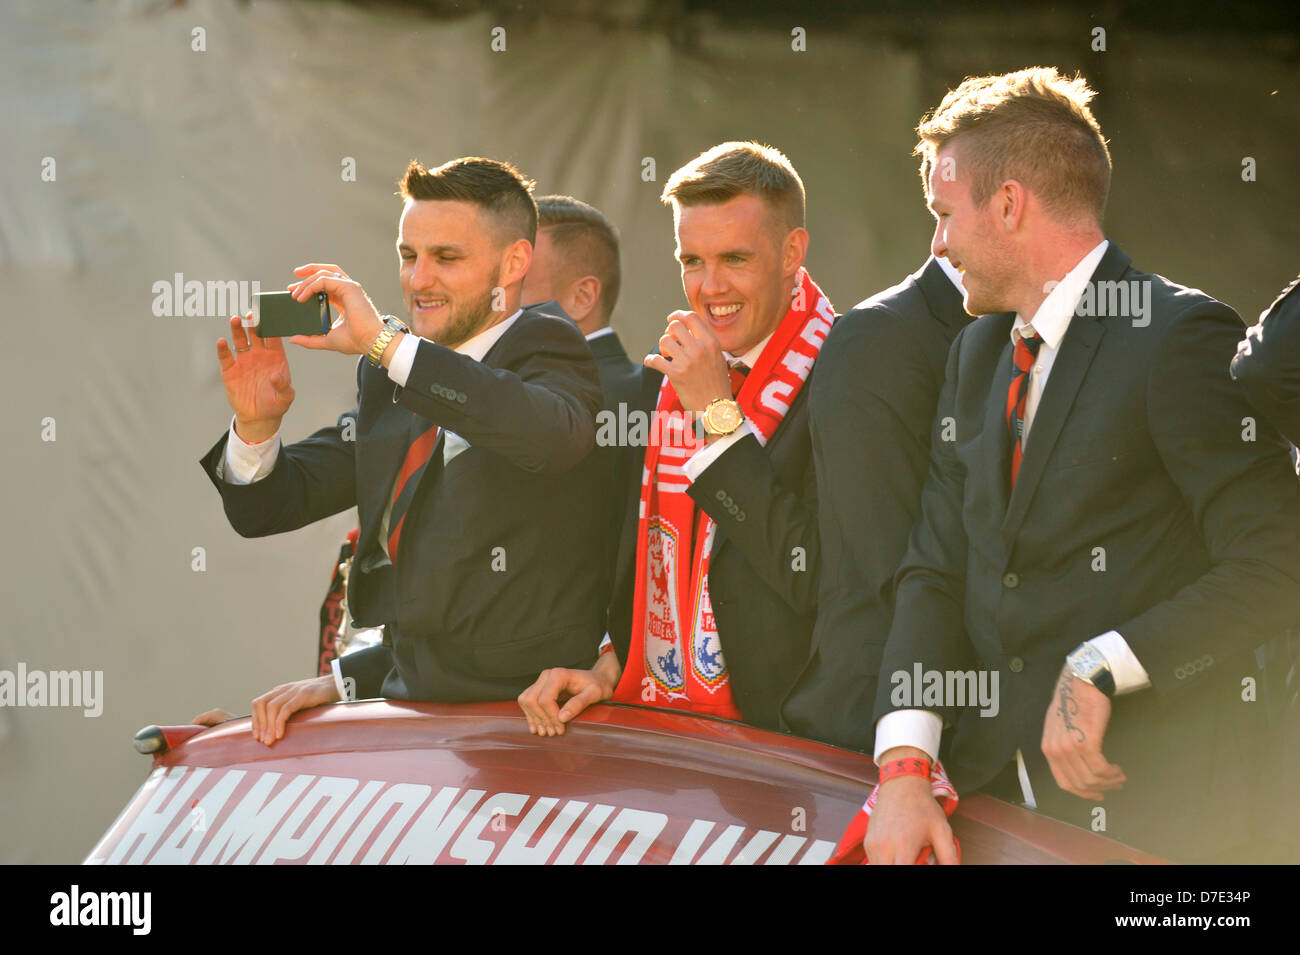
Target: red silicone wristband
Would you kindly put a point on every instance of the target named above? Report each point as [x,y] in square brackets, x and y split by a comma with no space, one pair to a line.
[905,767]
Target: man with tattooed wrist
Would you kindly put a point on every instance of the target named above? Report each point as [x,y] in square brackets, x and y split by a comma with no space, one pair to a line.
[1097,529]
[716,585]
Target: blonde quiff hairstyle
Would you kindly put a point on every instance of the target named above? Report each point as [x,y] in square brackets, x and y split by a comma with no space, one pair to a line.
[1033,125]
[736,169]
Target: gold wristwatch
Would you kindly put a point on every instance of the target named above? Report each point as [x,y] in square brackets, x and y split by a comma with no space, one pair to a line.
[722,416]
[392,325]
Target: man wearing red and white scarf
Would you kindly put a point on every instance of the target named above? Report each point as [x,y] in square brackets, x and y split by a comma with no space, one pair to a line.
[718,585]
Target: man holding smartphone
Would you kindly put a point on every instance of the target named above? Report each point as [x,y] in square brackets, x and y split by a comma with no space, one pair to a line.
[468,457]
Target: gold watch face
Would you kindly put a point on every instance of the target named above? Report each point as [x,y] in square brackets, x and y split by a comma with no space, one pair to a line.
[723,417]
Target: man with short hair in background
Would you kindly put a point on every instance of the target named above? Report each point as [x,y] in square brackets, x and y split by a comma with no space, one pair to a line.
[576,265]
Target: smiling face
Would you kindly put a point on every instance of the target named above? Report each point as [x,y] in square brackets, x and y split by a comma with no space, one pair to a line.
[738,270]
[450,265]
[969,237]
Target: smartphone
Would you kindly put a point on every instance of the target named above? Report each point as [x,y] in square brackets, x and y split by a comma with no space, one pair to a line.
[278,315]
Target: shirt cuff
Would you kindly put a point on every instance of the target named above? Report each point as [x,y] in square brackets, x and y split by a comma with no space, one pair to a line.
[1129,674]
[701,459]
[338,681]
[919,728]
[246,463]
[399,367]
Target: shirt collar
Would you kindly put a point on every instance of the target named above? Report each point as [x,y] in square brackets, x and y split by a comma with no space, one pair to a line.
[1053,316]
[750,358]
[601,332]
[478,346]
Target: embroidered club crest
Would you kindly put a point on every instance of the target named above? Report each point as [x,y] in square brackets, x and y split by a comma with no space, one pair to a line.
[662,655]
[706,649]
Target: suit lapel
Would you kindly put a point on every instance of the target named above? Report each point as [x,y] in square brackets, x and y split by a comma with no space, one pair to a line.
[995,441]
[794,420]
[380,451]
[1078,349]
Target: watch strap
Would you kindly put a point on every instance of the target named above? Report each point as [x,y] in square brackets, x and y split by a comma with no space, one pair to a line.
[1104,680]
[392,325]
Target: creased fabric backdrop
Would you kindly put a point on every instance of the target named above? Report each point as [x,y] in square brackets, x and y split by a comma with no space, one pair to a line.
[226,165]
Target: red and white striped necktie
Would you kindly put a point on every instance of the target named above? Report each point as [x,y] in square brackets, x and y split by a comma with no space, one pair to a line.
[1023,358]
[414,465]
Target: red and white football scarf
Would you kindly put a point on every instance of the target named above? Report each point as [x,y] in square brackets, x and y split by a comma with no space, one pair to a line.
[331,611]
[850,851]
[675,658]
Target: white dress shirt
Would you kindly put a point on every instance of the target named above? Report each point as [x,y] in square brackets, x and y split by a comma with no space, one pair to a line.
[923,728]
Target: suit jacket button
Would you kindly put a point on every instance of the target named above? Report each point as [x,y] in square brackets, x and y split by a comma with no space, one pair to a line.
[721,495]
[1010,580]
[740,517]
[1015,664]
[461,397]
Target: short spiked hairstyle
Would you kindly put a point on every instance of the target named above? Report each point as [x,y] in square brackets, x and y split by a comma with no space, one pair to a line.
[1033,125]
[736,169]
[498,188]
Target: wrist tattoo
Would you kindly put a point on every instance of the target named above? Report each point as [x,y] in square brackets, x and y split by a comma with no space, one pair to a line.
[1069,706]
